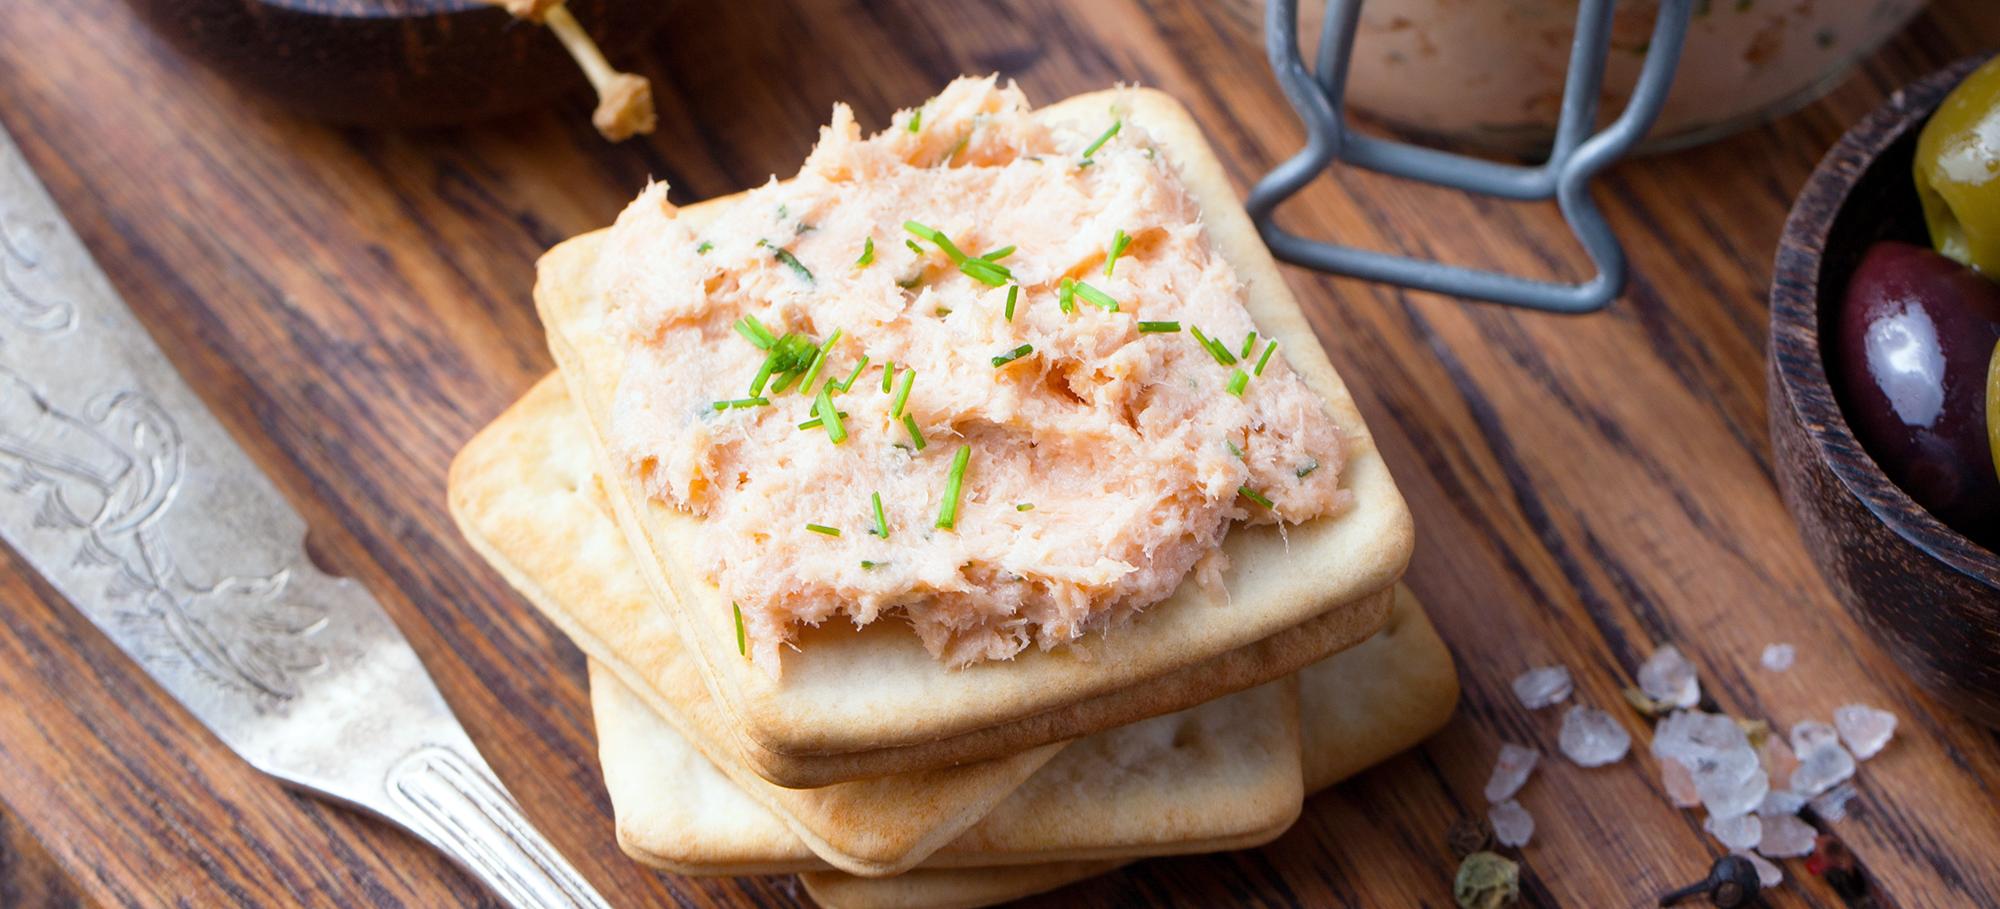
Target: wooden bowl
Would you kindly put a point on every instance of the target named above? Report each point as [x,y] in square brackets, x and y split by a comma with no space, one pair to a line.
[1928,593]
[395,63]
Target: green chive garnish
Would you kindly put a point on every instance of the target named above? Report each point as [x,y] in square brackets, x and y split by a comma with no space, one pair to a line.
[936,236]
[823,406]
[991,274]
[902,393]
[1311,465]
[1013,293]
[784,381]
[912,244]
[1249,344]
[1119,241]
[792,262]
[888,375]
[1154,327]
[819,362]
[816,422]
[916,119]
[763,374]
[823,530]
[740,403]
[867,253]
[1215,348]
[1012,355]
[998,254]
[1266,358]
[1106,137]
[755,332]
[1066,295]
[1238,380]
[881,522]
[1232,448]
[856,374]
[870,566]
[916,435]
[953,483]
[1254,496]
[1025,506]
[1101,299]
[742,640]
[704,247]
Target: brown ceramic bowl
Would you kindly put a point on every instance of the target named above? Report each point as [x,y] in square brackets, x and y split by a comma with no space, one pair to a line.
[1929,594]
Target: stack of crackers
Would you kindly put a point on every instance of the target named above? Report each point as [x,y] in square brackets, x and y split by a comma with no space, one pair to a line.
[885,778]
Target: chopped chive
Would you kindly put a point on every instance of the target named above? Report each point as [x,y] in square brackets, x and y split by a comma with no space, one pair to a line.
[740,403]
[1238,452]
[1249,344]
[1215,348]
[912,244]
[823,405]
[742,640]
[870,566]
[1025,506]
[1238,380]
[881,523]
[916,435]
[936,236]
[793,352]
[1255,496]
[1101,299]
[1066,295]
[763,374]
[784,382]
[1013,293]
[1312,464]
[998,254]
[888,375]
[1119,241]
[1012,355]
[816,422]
[954,483]
[1266,358]
[991,274]
[867,253]
[856,374]
[916,119]
[792,262]
[1092,148]
[1155,327]
[902,393]
[703,248]
[823,530]
[819,362]
[755,332]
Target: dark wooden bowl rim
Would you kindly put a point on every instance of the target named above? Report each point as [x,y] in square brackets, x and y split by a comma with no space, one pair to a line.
[1796,321]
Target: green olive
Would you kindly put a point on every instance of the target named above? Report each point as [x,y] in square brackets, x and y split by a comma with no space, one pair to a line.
[1958,171]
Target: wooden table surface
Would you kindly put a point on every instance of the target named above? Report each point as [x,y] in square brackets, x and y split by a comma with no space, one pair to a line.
[355,304]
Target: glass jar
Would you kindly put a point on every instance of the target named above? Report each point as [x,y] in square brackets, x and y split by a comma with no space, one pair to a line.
[1490,72]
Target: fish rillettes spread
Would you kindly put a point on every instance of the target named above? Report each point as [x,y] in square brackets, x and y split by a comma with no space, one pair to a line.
[985,372]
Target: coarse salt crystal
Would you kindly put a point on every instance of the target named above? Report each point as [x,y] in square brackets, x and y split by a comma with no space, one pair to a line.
[1542,687]
[1822,761]
[1831,805]
[1743,831]
[1510,771]
[1777,757]
[1728,777]
[1785,836]
[1779,657]
[1668,678]
[1768,874]
[1592,737]
[1679,783]
[1781,801]
[1865,729]
[1512,824]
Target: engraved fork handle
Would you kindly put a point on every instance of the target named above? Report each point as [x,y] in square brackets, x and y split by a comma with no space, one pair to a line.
[457,805]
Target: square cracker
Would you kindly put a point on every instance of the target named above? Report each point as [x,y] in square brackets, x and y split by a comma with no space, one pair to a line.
[1356,709]
[525,494]
[1224,775]
[874,701]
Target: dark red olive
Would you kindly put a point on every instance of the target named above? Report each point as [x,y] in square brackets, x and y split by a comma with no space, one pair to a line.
[1916,339]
